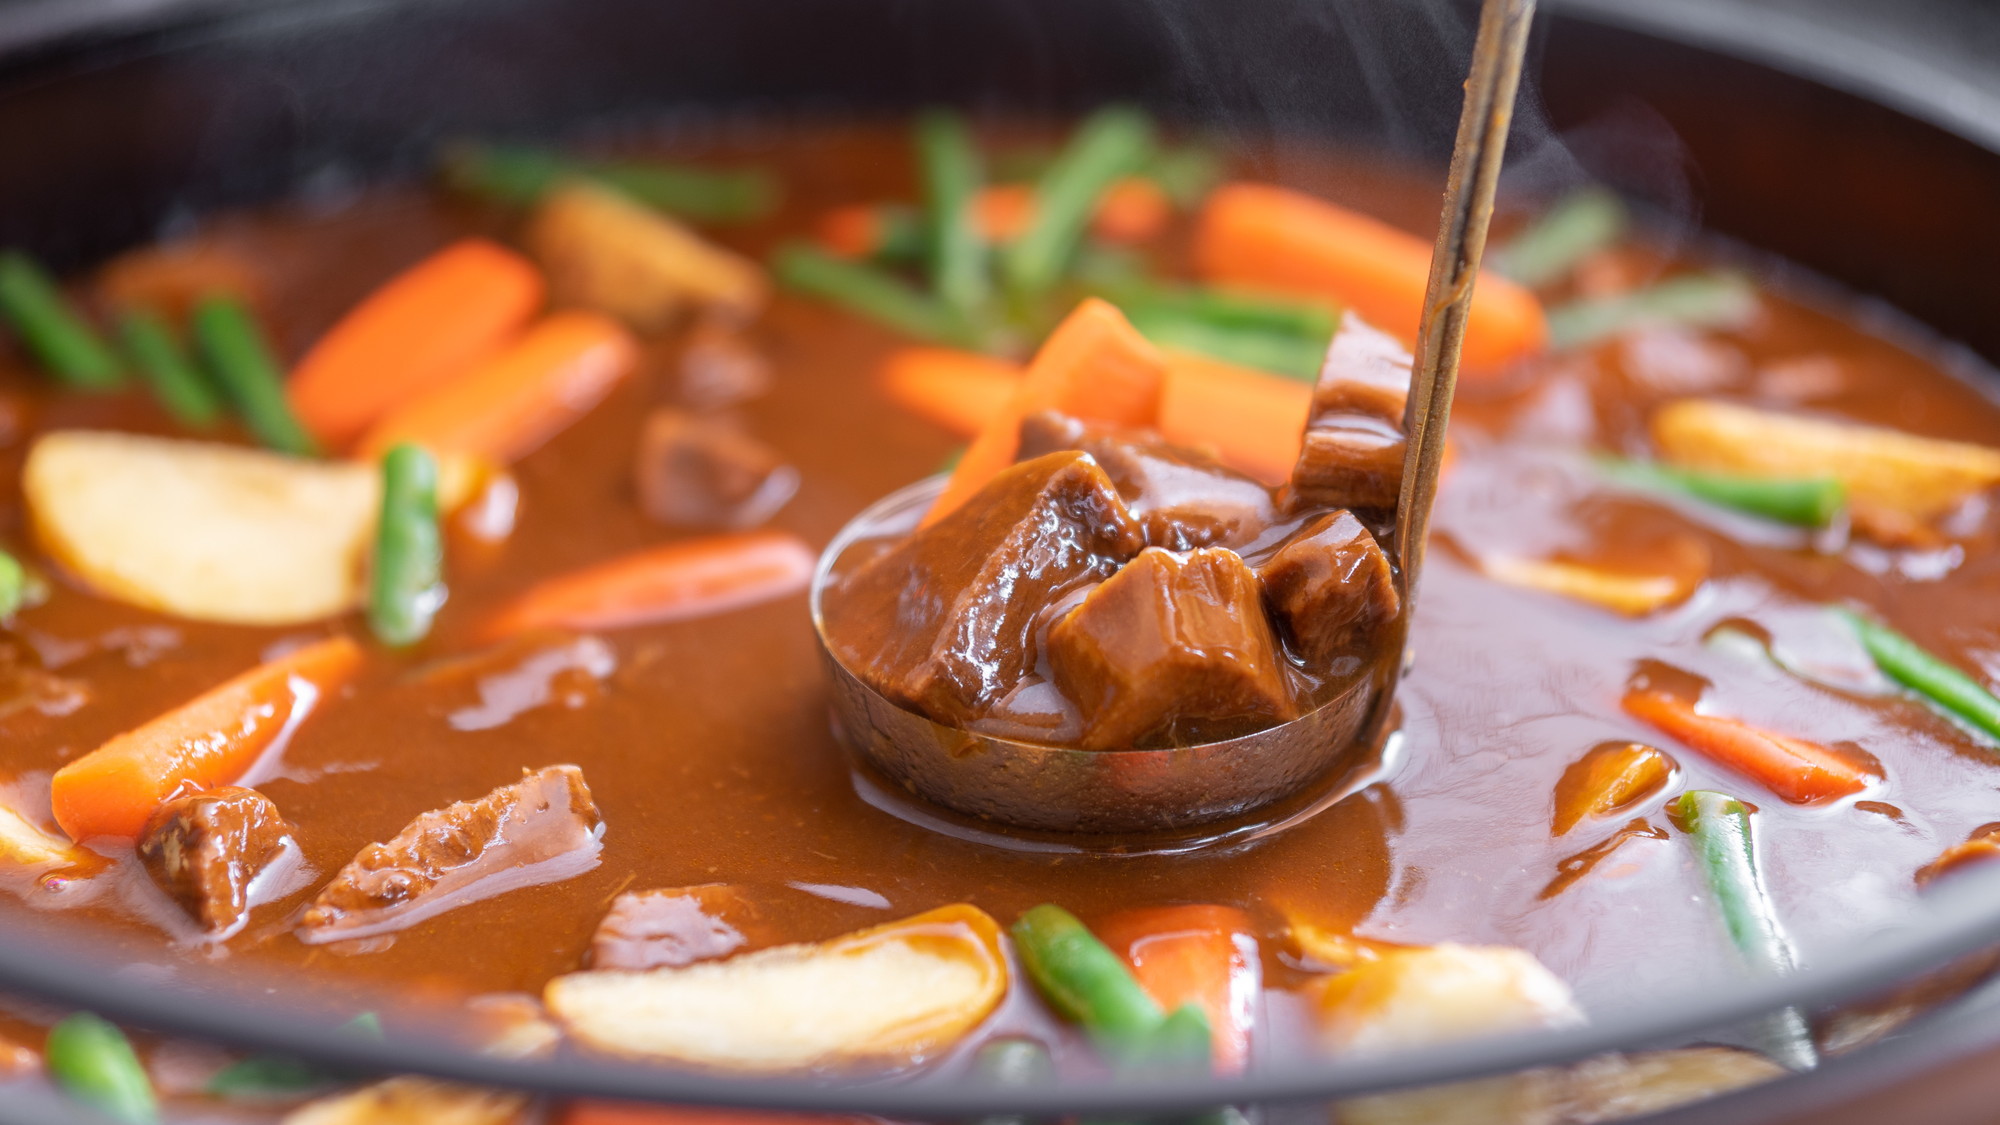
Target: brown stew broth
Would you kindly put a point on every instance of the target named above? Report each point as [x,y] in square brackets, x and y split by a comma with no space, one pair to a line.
[710,754]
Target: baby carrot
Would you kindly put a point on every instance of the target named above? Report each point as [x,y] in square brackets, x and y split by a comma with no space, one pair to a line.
[507,404]
[421,328]
[692,578]
[1796,770]
[1203,955]
[209,741]
[959,391]
[1263,236]
[1253,422]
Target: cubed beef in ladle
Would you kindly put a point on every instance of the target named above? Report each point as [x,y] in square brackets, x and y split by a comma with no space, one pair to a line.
[1331,588]
[1354,440]
[1182,499]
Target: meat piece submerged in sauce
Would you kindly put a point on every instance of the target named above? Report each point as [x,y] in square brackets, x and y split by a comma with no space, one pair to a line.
[702,472]
[1330,586]
[206,850]
[1353,452]
[1172,645]
[542,828]
[945,620]
[675,926]
[1181,498]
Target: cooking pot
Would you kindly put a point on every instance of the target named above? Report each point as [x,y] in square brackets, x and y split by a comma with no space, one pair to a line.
[1842,152]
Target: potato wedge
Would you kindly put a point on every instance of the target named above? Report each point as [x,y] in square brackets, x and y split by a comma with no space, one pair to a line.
[889,995]
[412,1101]
[606,252]
[210,532]
[1633,595]
[1606,1088]
[1916,477]
[1420,996]
[25,844]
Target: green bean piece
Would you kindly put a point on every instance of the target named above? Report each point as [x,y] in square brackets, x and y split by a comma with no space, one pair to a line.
[1279,353]
[1110,143]
[1804,501]
[1187,173]
[406,586]
[1012,1061]
[518,175]
[950,166]
[902,237]
[60,338]
[1222,307]
[873,293]
[16,587]
[1579,225]
[94,1063]
[1085,982]
[1182,1041]
[1719,826]
[167,369]
[1704,300]
[266,1076]
[232,345]
[1942,686]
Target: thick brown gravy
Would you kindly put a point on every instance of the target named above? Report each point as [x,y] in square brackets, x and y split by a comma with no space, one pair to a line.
[709,751]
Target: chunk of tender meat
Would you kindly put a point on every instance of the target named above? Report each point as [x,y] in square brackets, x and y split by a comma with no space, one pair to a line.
[674,926]
[207,849]
[1172,647]
[704,472]
[1353,451]
[1331,589]
[945,620]
[540,829]
[1182,499]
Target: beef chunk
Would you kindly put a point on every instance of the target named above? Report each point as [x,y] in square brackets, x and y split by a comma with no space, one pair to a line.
[207,849]
[1172,646]
[1182,499]
[1353,452]
[703,472]
[538,830]
[1330,587]
[945,620]
[677,926]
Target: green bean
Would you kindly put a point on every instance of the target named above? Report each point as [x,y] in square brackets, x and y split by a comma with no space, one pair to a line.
[55,332]
[94,1063]
[16,588]
[1579,225]
[1012,1061]
[1110,143]
[1224,308]
[957,251]
[901,235]
[1804,501]
[1187,173]
[1938,683]
[872,293]
[1085,982]
[1181,1041]
[167,370]
[1696,300]
[1296,357]
[406,586]
[1719,826]
[519,175]
[266,1076]
[233,346]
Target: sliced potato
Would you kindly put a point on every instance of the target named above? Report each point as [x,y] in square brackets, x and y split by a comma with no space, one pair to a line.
[1607,1088]
[1420,996]
[211,532]
[1888,470]
[26,844]
[606,252]
[1633,595]
[412,1101]
[889,995]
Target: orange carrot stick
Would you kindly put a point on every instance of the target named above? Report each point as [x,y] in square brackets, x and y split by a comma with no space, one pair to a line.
[1796,770]
[1251,421]
[208,741]
[426,325]
[1094,366]
[854,231]
[1202,955]
[1258,235]
[960,391]
[1003,211]
[628,1113]
[515,399]
[1133,209]
[692,578]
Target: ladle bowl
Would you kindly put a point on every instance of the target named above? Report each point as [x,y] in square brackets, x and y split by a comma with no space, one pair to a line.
[1059,789]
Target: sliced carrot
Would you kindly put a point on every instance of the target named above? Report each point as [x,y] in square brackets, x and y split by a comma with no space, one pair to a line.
[208,741]
[854,231]
[1094,366]
[1003,211]
[1251,421]
[426,325]
[1133,209]
[1796,770]
[692,578]
[1203,955]
[171,277]
[630,1113]
[960,391]
[515,399]
[1269,237]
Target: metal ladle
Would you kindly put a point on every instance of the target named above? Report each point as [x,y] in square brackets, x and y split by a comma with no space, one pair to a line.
[1284,771]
